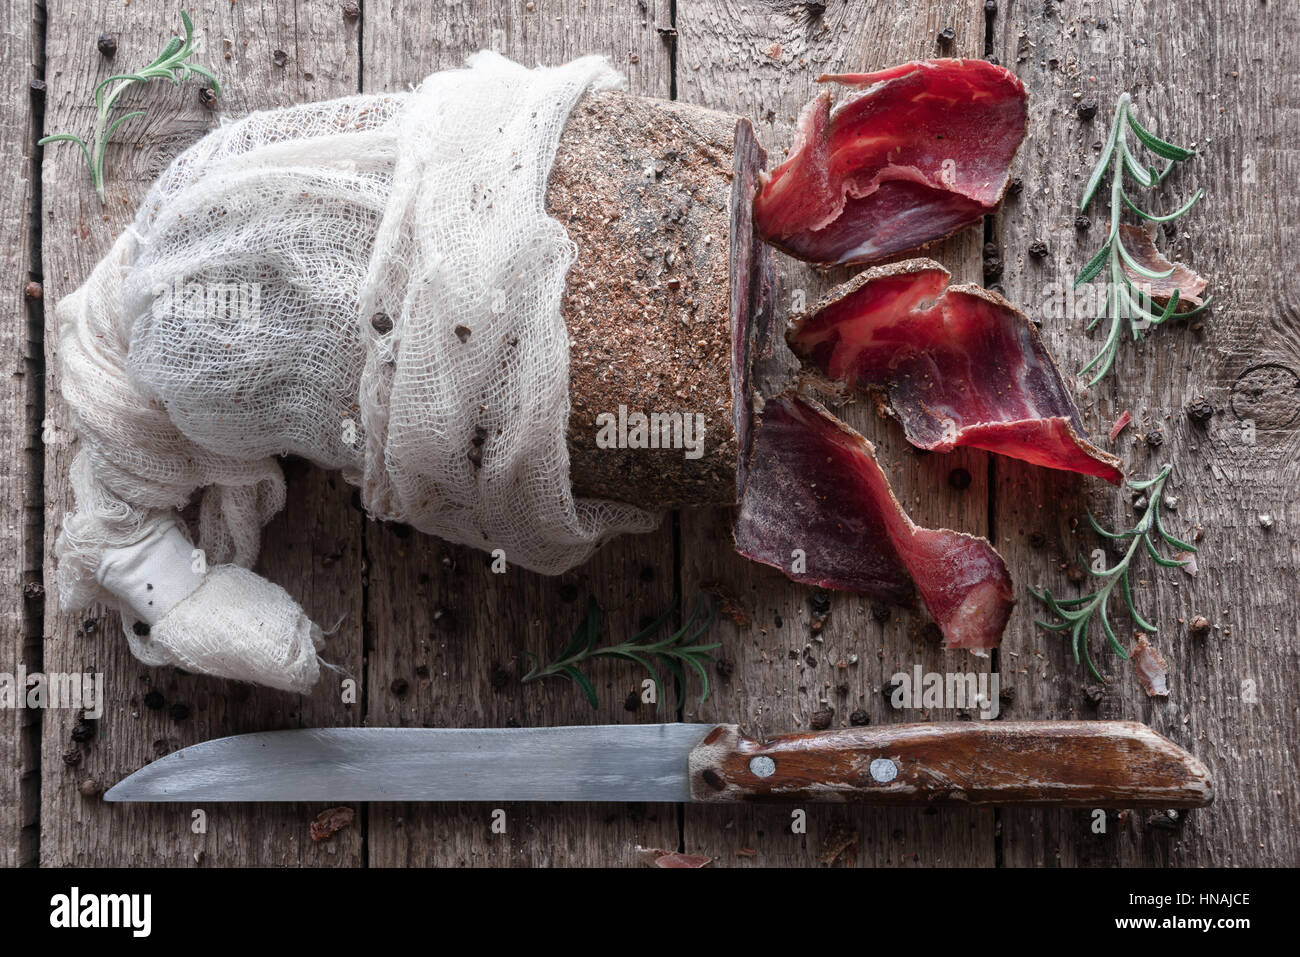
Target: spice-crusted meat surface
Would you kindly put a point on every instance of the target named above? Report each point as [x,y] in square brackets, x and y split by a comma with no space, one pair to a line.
[644,188]
[958,365]
[922,150]
[814,485]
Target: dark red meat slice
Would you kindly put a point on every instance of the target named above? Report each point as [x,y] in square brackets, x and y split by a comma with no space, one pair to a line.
[1120,425]
[920,151]
[814,484]
[958,365]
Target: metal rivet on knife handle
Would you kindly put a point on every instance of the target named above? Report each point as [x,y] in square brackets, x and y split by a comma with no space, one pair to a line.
[883,770]
[762,766]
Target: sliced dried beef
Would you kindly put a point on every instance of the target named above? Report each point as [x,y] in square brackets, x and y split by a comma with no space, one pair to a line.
[956,365]
[817,506]
[914,154]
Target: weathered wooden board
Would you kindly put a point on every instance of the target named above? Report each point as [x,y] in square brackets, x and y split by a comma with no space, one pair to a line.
[313,549]
[448,639]
[761,60]
[433,637]
[20,405]
[1207,75]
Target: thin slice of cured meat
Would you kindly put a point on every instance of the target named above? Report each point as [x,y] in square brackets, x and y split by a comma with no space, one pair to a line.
[1152,670]
[814,489]
[958,365]
[1142,247]
[915,154]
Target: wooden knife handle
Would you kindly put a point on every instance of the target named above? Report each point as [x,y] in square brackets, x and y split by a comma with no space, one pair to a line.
[1117,764]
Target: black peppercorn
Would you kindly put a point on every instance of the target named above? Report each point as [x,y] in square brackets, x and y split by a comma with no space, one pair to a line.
[1200,411]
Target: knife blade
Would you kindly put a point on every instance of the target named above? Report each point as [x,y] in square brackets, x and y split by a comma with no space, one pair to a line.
[1061,763]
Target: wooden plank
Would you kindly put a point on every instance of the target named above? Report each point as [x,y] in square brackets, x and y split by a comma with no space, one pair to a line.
[20,405]
[1204,74]
[761,61]
[313,549]
[448,638]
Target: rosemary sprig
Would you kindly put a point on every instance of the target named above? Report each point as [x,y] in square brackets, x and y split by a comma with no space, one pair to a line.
[172,64]
[672,652]
[1126,305]
[1076,613]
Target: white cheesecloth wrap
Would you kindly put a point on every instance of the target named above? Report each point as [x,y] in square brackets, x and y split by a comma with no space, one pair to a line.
[371,283]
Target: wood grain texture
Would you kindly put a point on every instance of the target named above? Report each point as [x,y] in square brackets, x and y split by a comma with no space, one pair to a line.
[312,549]
[20,404]
[447,638]
[1205,75]
[435,638]
[761,60]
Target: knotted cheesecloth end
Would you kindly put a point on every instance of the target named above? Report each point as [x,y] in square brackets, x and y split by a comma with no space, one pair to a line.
[224,621]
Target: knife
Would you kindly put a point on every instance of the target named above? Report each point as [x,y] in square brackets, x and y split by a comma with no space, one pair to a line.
[1061,763]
